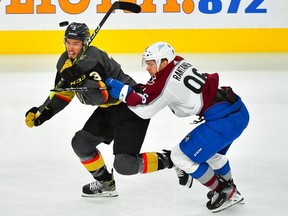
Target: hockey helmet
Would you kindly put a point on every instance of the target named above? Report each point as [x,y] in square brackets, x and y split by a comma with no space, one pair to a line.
[78,31]
[158,51]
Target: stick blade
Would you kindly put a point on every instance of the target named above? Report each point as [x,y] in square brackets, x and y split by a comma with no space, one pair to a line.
[135,8]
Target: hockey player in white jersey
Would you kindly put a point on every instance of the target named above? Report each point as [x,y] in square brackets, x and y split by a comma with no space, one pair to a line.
[176,83]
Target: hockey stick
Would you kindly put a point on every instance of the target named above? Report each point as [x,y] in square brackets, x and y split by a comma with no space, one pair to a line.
[116,5]
[77,89]
[134,8]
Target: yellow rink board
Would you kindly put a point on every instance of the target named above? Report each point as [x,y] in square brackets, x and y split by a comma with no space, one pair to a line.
[134,41]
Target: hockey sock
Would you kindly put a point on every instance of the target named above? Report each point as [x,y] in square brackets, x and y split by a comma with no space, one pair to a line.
[96,166]
[102,174]
[220,164]
[153,161]
[206,176]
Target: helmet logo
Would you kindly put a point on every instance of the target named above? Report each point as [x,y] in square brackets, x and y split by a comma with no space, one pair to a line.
[73,27]
[160,46]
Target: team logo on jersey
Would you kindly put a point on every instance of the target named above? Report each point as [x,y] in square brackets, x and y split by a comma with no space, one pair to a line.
[186,139]
[78,81]
[83,57]
[175,62]
[151,80]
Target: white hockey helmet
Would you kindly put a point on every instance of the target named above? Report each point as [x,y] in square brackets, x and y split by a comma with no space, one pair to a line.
[158,51]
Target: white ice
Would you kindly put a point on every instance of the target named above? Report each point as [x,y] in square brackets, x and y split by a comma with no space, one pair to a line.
[41,176]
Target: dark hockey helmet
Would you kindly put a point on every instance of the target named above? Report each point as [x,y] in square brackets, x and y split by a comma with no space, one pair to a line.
[78,31]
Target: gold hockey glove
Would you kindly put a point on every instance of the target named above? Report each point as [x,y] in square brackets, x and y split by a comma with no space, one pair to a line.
[33,118]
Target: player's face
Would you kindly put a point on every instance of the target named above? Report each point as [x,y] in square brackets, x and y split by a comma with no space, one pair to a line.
[73,47]
[151,67]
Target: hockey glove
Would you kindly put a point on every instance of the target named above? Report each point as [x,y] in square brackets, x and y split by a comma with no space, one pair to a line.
[33,118]
[73,76]
[139,88]
[184,178]
[167,154]
[118,89]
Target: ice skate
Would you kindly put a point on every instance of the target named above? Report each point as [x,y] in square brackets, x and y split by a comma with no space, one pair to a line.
[225,197]
[230,182]
[100,189]
[184,178]
[235,199]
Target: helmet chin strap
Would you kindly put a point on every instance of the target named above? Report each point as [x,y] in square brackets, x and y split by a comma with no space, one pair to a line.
[158,64]
[85,47]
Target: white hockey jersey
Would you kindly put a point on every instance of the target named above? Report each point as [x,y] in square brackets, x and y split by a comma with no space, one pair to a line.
[180,87]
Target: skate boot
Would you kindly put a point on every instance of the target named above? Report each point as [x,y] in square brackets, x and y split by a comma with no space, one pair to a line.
[184,178]
[230,182]
[100,189]
[223,198]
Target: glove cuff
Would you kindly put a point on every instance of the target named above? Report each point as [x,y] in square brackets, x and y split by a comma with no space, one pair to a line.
[32,110]
[103,91]
[124,92]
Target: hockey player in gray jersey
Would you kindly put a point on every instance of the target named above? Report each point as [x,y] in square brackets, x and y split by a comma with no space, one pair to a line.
[111,120]
[176,83]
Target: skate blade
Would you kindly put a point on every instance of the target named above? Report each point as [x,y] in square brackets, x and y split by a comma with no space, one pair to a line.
[104,194]
[236,199]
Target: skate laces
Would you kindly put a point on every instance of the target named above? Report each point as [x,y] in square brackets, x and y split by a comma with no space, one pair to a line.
[95,185]
[180,173]
[215,197]
[225,192]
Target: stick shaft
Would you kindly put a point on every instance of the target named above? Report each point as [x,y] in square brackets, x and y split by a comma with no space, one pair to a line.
[77,89]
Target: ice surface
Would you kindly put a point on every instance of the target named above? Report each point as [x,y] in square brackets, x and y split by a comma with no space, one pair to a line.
[41,176]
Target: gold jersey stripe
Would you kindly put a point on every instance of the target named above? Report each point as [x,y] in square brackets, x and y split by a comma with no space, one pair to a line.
[94,163]
[150,162]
